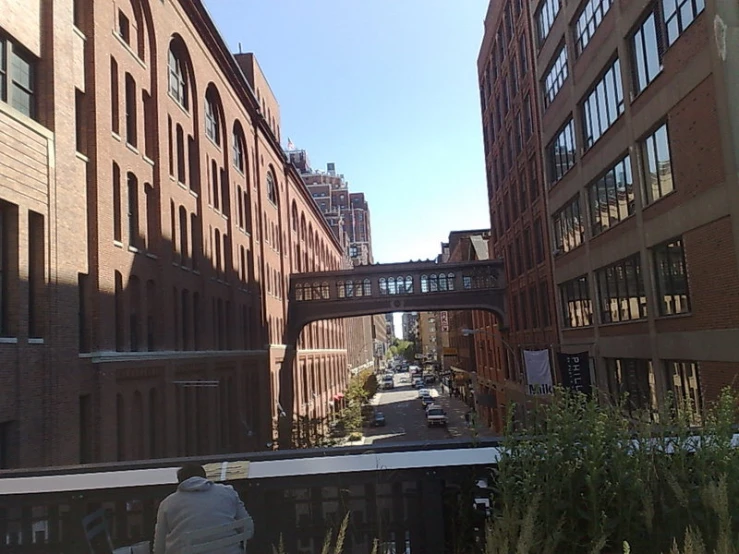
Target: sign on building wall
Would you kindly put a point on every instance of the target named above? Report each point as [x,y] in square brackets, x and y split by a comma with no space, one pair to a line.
[575,370]
[444,316]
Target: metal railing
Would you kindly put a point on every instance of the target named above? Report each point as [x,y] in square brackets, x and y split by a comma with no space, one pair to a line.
[407,496]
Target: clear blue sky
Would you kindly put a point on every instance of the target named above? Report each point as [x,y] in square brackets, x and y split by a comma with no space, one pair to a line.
[386,89]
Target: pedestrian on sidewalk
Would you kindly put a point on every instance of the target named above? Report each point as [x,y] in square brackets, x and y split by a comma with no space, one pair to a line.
[197,504]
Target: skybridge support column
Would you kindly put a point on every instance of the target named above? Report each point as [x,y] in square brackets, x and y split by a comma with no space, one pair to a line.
[285,414]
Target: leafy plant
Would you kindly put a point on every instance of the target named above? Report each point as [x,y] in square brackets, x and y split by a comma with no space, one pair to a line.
[583,478]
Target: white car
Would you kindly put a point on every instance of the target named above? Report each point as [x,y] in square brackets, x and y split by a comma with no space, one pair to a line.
[423,392]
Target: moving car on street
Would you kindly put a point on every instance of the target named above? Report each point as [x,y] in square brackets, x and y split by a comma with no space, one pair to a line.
[378,420]
[435,416]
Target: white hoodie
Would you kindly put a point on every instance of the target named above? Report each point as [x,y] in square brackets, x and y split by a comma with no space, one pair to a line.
[197,504]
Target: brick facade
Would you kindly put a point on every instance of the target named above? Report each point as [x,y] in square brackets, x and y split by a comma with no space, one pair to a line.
[150,222]
[683,321]
[518,214]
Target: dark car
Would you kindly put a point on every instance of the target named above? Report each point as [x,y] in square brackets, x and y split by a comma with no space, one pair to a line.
[378,420]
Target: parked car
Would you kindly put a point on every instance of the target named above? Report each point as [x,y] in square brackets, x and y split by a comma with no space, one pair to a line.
[435,416]
[378,420]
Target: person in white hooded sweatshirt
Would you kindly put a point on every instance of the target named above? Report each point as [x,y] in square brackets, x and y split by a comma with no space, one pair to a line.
[197,504]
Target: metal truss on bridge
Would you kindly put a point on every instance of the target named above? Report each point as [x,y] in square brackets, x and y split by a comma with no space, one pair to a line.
[384,288]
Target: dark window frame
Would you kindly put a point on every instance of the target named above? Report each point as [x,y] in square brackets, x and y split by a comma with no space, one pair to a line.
[669,269]
[603,105]
[617,290]
[577,305]
[606,187]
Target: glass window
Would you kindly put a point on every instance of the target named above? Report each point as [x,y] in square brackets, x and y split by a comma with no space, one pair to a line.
[238,151]
[177,80]
[621,291]
[21,73]
[522,54]
[678,15]
[577,308]
[212,130]
[545,17]
[561,153]
[556,76]
[658,180]
[634,378]
[528,121]
[588,21]
[603,105]
[673,295]
[271,188]
[611,197]
[568,227]
[646,53]
[683,379]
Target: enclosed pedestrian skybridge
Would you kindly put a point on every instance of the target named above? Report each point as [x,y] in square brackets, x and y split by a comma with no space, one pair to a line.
[401,287]
[379,289]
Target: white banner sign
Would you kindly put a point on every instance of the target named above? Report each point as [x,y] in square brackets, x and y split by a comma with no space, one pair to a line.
[538,372]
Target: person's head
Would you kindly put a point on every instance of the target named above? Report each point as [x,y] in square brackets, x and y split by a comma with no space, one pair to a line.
[190,470]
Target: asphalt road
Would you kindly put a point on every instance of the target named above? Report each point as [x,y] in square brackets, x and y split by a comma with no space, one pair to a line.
[406,419]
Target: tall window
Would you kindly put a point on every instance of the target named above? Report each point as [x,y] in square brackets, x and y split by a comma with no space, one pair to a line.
[577,308]
[117,231]
[561,153]
[591,15]
[115,116]
[621,291]
[678,15]
[183,235]
[522,55]
[611,197]
[17,77]
[177,79]
[538,241]
[131,117]
[271,188]
[5,250]
[683,378]
[133,210]
[555,76]
[603,105]
[36,274]
[673,296]
[544,303]
[545,16]
[212,124]
[647,53]
[119,311]
[658,180]
[238,151]
[568,227]
[634,378]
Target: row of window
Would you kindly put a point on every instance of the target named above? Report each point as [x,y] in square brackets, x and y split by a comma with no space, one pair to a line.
[635,379]
[620,289]
[604,103]
[610,197]
[10,261]
[513,200]
[138,324]
[530,307]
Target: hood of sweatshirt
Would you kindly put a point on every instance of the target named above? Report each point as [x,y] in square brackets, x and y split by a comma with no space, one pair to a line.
[195,484]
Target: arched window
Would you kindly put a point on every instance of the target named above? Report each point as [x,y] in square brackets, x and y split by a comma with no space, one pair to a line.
[181,174]
[433,283]
[238,148]
[211,122]
[302,227]
[367,286]
[178,77]
[424,283]
[383,285]
[450,281]
[271,188]
[214,184]
[294,215]
[442,282]
[408,284]
[119,311]
[218,252]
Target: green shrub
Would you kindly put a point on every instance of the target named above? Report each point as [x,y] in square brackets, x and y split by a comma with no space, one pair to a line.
[583,478]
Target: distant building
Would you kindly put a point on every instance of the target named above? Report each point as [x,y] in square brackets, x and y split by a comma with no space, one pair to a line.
[347,213]
[410,326]
[428,334]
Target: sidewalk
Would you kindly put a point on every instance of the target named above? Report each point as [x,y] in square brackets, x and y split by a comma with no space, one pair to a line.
[457,426]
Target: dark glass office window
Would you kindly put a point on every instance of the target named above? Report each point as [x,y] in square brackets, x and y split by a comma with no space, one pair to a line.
[611,197]
[603,106]
[673,295]
[621,291]
[577,308]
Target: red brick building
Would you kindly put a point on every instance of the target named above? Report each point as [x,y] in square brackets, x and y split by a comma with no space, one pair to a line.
[518,213]
[149,221]
[639,130]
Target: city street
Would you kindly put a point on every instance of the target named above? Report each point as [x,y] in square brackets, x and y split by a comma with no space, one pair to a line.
[406,419]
